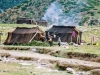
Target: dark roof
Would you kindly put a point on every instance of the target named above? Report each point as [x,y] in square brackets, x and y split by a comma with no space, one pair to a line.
[41,21]
[63,29]
[23,30]
[24,19]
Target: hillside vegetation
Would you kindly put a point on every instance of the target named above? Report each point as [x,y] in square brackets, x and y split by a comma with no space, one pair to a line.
[82,12]
[5,4]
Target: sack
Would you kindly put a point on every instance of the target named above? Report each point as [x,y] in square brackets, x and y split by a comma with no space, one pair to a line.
[50,40]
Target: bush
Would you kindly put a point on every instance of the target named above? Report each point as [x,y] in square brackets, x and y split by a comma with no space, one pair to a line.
[35,43]
[56,55]
[41,51]
[98,12]
[23,8]
[18,6]
[23,58]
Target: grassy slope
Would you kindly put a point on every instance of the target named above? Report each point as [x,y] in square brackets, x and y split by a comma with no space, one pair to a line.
[36,9]
[5,4]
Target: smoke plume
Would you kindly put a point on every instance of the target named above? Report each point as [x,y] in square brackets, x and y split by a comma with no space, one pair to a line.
[55,15]
[1,10]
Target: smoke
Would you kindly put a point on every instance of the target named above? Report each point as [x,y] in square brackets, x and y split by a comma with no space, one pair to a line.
[55,15]
[1,10]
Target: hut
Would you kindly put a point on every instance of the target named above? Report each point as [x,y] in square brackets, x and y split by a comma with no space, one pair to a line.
[42,22]
[66,33]
[24,35]
[25,20]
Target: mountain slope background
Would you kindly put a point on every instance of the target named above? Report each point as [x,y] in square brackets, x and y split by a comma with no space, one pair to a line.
[60,12]
[5,4]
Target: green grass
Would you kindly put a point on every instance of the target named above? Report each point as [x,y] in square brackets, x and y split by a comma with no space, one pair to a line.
[18,69]
[83,49]
[10,26]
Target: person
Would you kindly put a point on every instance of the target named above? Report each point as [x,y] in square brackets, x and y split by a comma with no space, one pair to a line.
[59,41]
[50,41]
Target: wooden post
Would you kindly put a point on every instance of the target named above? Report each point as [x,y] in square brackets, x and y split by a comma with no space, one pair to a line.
[71,38]
[33,37]
[0,36]
[77,39]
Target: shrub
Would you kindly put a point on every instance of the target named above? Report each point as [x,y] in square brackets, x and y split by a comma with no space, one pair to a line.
[18,6]
[23,8]
[35,43]
[23,58]
[41,51]
[56,55]
[98,12]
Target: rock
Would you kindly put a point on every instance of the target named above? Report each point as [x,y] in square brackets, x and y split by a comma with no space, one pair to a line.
[27,64]
[70,70]
[33,50]
[95,72]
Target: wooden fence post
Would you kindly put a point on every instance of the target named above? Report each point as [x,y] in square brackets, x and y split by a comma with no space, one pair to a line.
[0,36]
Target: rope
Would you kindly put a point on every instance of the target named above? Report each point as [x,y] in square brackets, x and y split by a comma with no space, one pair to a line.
[33,37]
[14,39]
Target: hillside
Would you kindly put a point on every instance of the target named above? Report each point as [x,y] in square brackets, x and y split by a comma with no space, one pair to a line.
[60,12]
[5,4]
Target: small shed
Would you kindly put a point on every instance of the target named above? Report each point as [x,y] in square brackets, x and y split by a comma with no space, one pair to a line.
[66,33]
[42,22]
[24,35]
[25,20]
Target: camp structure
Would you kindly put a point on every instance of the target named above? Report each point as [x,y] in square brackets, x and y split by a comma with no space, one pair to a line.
[24,35]
[66,33]
[25,20]
[42,22]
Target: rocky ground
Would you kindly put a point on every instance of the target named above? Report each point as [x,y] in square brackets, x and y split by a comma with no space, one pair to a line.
[50,61]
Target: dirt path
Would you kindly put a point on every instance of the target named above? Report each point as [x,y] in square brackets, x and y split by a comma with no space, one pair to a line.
[62,62]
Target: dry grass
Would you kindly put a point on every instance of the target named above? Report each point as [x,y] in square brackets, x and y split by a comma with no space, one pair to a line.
[18,69]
